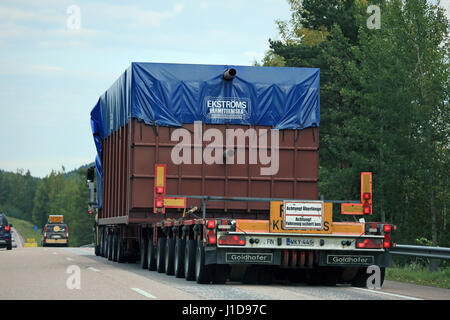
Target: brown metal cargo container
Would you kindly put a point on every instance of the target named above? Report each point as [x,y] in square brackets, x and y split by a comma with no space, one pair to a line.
[129,158]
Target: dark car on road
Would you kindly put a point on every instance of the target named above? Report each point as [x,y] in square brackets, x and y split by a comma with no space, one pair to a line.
[55,234]
[5,233]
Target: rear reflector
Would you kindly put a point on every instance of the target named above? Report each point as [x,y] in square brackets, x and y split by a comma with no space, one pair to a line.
[387,241]
[159,203]
[159,189]
[211,224]
[368,243]
[232,240]
[212,239]
[7,228]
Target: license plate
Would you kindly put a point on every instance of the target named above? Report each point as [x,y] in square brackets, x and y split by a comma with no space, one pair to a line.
[299,242]
[349,260]
[240,257]
[56,237]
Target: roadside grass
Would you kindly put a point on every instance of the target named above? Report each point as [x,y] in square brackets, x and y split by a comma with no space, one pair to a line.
[26,229]
[420,275]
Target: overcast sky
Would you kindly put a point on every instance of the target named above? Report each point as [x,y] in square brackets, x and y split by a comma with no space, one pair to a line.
[51,75]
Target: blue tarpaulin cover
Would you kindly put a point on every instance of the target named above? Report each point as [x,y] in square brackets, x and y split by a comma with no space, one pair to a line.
[172,94]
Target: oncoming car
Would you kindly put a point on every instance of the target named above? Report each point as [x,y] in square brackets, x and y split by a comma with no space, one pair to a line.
[55,234]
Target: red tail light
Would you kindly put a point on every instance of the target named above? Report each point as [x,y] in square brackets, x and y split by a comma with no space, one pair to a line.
[212,239]
[387,228]
[387,241]
[368,243]
[232,240]
[7,228]
[159,203]
[366,196]
[367,208]
[211,224]
[159,189]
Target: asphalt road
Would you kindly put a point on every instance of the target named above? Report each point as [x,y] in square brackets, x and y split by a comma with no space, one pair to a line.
[18,239]
[51,273]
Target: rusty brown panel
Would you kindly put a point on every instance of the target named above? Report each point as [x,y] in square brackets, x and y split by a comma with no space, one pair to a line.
[141,146]
[108,191]
[128,168]
[113,198]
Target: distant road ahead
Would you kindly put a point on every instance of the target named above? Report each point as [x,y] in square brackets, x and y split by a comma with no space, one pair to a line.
[18,238]
[43,273]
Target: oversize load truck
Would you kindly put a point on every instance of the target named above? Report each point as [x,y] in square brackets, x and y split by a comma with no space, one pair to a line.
[210,173]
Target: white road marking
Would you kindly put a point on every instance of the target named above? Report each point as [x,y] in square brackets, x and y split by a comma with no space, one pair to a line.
[93,269]
[69,259]
[388,293]
[55,252]
[144,293]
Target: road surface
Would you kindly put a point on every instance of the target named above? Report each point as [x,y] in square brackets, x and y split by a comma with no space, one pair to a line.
[50,273]
[18,238]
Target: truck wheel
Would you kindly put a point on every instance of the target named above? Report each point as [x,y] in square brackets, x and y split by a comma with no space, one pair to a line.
[9,247]
[115,245]
[220,273]
[202,275]
[362,276]
[161,255]
[110,247]
[104,244]
[143,246]
[121,254]
[179,258]
[97,241]
[189,260]
[151,255]
[170,256]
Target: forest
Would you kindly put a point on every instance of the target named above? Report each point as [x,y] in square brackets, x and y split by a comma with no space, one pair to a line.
[34,199]
[384,99]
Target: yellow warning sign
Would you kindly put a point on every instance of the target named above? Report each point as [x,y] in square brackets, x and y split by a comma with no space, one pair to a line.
[278,219]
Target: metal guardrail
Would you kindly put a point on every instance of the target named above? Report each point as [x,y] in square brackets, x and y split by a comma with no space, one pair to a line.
[421,251]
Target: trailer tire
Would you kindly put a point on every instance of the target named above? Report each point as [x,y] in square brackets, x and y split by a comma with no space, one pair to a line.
[121,255]
[144,251]
[170,257]
[151,255]
[161,255]
[115,245]
[97,240]
[202,271]
[102,243]
[110,247]
[180,245]
[189,260]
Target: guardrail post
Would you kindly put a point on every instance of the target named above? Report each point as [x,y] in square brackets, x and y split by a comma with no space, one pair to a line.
[434,264]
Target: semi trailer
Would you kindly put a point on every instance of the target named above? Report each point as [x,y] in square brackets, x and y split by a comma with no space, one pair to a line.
[210,173]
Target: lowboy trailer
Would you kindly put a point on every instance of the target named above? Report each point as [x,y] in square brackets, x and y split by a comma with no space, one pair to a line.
[181,185]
